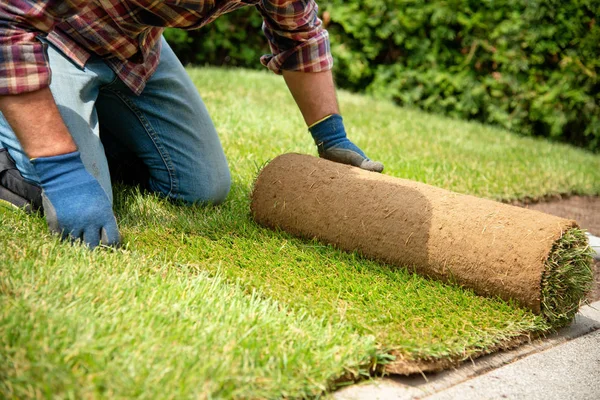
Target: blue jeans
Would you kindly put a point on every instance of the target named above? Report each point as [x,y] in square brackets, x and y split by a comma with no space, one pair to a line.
[167,128]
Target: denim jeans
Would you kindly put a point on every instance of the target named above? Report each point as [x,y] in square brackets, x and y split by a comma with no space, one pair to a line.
[167,128]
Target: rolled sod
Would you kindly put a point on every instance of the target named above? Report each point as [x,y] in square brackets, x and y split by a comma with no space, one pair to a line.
[538,260]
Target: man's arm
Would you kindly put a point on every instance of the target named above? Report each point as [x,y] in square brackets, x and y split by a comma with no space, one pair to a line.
[35,119]
[314,93]
[25,99]
[300,52]
[75,205]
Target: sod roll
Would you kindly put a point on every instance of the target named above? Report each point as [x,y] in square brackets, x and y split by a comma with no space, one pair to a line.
[539,260]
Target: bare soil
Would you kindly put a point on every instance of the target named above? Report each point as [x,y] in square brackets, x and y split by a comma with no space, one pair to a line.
[583,209]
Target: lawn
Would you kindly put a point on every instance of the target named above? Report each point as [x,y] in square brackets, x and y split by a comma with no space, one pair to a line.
[202,302]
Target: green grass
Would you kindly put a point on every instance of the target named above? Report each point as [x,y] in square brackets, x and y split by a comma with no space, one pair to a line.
[567,278]
[117,324]
[205,303]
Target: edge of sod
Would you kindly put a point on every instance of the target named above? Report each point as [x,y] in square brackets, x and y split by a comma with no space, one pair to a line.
[418,366]
[567,277]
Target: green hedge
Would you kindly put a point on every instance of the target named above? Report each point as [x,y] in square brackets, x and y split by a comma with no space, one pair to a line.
[531,67]
[234,40]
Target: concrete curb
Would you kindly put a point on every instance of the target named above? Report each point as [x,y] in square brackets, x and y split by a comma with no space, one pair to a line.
[594,244]
[585,324]
[567,371]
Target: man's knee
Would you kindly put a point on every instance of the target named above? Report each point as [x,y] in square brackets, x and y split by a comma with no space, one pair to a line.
[212,191]
[206,189]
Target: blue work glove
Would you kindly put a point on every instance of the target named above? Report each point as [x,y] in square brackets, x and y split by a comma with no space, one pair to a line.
[75,205]
[333,144]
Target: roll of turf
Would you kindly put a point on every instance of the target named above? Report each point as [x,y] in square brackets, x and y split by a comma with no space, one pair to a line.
[541,261]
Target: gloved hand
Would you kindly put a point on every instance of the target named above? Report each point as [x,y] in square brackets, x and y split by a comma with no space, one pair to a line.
[333,144]
[75,204]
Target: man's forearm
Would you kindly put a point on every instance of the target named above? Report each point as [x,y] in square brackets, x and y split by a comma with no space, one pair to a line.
[35,119]
[314,93]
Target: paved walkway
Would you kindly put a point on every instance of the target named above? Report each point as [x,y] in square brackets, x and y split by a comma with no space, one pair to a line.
[595,245]
[563,366]
[556,373]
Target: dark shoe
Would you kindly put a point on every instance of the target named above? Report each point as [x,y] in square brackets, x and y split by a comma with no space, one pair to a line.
[14,189]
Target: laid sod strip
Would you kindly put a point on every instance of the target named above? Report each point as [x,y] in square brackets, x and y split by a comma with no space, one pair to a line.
[420,321]
[118,324]
[567,278]
[493,248]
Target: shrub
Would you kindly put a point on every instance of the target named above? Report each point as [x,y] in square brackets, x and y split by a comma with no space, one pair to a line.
[233,40]
[531,67]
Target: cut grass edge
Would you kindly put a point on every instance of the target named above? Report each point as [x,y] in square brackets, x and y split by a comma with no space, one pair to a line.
[567,277]
[410,367]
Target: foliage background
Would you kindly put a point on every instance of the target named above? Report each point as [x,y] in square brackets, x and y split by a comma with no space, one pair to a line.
[531,67]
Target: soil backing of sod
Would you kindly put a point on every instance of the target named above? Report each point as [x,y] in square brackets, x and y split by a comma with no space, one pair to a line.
[541,261]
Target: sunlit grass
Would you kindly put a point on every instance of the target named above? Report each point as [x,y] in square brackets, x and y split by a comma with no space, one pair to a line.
[120,324]
[203,302]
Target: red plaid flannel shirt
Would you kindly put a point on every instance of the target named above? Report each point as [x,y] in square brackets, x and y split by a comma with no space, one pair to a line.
[127,35]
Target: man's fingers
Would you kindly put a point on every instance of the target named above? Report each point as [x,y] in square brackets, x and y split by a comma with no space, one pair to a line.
[73,236]
[107,236]
[346,156]
[369,165]
[110,235]
[91,237]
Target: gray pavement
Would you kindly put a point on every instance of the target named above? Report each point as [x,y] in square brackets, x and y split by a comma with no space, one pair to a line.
[594,244]
[562,366]
[568,371]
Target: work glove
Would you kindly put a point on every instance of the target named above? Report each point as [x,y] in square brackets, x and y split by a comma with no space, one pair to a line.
[14,189]
[333,144]
[75,205]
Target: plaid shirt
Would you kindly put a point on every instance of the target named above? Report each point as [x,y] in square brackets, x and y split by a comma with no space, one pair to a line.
[127,35]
